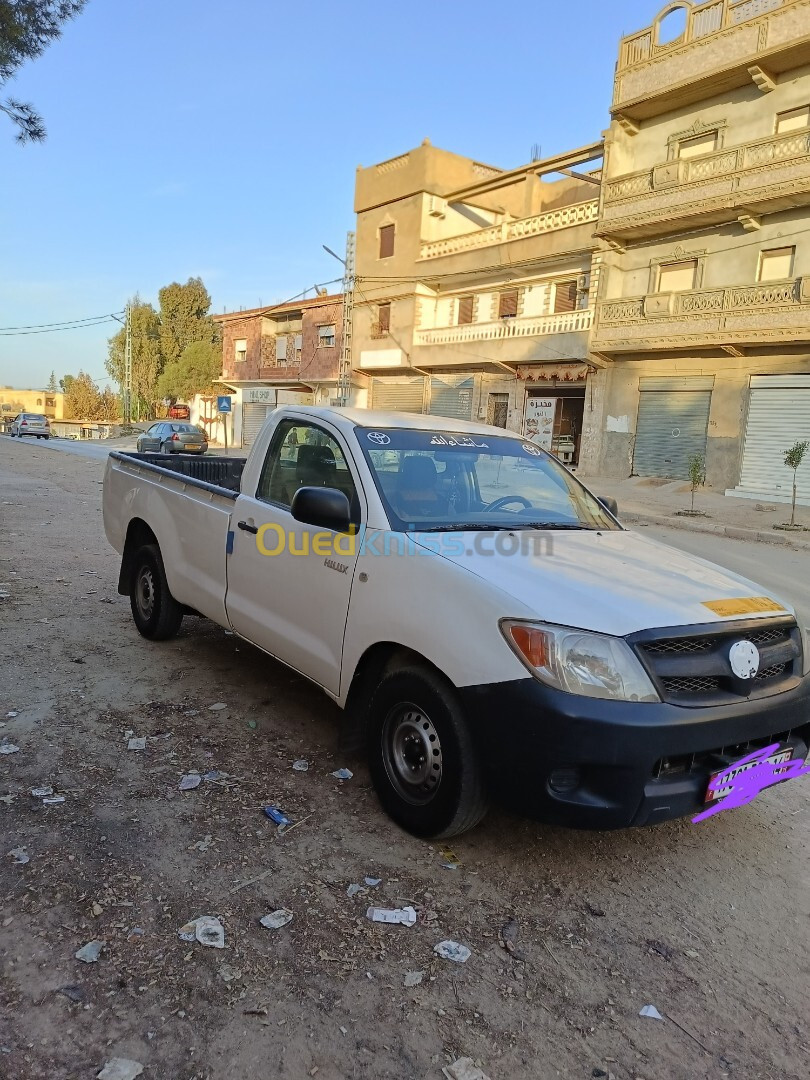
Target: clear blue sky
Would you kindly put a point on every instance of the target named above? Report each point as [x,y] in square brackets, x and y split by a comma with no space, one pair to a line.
[187,137]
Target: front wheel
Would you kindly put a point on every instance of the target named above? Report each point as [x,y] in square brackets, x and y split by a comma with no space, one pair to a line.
[156,613]
[422,758]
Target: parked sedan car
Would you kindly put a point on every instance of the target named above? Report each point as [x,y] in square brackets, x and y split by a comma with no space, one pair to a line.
[28,423]
[169,437]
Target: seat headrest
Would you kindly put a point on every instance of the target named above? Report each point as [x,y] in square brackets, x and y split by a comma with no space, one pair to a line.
[417,472]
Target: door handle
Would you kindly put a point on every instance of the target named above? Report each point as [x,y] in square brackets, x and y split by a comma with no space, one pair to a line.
[243,525]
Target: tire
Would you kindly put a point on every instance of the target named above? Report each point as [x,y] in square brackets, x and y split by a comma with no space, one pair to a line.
[165,448]
[156,613]
[422,759]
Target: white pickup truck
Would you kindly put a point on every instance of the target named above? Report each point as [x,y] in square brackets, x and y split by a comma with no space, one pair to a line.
[488,625]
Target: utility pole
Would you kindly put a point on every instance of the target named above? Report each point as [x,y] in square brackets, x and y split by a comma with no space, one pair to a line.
[127,387]
[344,387]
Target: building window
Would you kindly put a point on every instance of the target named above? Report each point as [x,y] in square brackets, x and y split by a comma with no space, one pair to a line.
[50,403]
[466,304]
[384,318]
[565,296]
[299,344]
[776,264]
[281,349]
[240,349]
[508,304]
[326,336]
[387,241]
[677,276]
[39,401]
[794,120]
[698,145]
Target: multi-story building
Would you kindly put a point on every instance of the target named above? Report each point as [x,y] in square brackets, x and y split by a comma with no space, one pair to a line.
[473,289]
[703,311]
[287,354]
[51,403]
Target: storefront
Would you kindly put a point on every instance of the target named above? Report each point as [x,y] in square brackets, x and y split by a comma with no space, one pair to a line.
[778,417]
[554,407]
[672,426]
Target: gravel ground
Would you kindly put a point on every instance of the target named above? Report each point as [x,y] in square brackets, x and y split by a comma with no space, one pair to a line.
[570,933]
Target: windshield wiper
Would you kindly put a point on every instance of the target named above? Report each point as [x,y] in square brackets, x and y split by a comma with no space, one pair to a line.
[569,525]
[478,526]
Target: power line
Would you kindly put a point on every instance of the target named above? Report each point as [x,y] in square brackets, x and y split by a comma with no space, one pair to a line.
[58,329]
[65,323]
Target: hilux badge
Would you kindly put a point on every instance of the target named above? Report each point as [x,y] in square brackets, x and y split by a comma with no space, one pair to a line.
[744,659]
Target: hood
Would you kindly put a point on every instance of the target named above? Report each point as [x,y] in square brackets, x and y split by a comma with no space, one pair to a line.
[611,582]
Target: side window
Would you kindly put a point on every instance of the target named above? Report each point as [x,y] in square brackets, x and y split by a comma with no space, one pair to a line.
[303,455]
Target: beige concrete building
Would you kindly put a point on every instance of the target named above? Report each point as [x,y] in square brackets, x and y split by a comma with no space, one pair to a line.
[12,401]
[703,310]
[474,288]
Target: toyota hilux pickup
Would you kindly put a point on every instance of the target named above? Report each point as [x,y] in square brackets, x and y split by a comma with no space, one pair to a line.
[488,625]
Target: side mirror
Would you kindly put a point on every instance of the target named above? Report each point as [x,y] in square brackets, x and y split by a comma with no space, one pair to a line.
[327,508]
[609,504]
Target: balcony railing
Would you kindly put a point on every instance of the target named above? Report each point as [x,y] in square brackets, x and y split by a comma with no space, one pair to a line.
[701,22]
[737,177]
[777,311]
[719,36]
[565,218]
[564,323]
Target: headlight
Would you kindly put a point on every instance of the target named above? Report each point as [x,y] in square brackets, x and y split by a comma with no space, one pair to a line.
[578,662]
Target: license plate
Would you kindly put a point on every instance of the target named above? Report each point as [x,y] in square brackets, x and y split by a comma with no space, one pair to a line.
[779,757]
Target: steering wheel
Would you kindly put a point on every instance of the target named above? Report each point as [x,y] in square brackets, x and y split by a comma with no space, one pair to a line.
[504,500]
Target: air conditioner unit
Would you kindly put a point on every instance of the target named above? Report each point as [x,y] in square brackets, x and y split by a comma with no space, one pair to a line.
[437,207]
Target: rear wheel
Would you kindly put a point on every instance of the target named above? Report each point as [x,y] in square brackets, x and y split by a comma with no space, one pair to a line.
[422,759]
[155,611]
[166,448]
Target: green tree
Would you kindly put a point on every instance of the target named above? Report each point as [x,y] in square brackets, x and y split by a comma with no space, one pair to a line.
[147,358]
[697,474]
[194,373]
[109,406]
[793,459]
[27,28]
[52,385]
[184,318]
[83,398]
[64,383]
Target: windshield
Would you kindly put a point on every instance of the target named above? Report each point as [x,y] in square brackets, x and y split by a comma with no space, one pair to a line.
[440,480]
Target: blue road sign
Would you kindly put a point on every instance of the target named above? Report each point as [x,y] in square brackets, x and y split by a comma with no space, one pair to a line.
[224,403]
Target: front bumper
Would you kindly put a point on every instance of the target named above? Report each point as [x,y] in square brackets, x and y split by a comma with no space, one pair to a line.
[636,763]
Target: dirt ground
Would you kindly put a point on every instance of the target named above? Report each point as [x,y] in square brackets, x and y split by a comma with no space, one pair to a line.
[708,923]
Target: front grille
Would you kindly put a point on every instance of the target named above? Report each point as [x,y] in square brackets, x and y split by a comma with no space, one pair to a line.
[691,686]
[693,669]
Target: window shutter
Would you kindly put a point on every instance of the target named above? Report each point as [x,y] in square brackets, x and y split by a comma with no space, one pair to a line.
[508,304]
[281,349]
[465,309]
[565,296]
[677,276]
[795,120]
[386,241]
[776,264]
[384,317]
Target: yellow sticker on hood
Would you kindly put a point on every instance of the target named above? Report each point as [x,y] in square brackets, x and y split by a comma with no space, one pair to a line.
[743,605]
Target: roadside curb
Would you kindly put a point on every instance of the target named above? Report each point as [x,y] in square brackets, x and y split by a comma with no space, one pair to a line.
[734,532]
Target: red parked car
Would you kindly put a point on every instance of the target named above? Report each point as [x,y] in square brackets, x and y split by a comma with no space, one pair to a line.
[179,412]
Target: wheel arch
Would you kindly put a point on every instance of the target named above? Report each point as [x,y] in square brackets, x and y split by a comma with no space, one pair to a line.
[138,534]
[377,661]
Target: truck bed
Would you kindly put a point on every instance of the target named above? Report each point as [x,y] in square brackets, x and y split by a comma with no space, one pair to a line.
[219,472]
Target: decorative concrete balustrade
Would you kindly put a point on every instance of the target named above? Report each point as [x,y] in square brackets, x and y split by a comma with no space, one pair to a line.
[565,218]
[563,323]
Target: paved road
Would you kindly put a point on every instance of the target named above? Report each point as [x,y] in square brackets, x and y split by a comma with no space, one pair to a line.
[95,450]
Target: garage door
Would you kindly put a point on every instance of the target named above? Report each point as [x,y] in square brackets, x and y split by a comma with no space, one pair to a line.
[398,395]
[452,396]
[673,418]
[253,416]
[778,417]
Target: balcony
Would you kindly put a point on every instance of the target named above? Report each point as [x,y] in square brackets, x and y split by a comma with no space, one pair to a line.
[524,228]
[758,177]
[566,322]
[749,315]
[720,43]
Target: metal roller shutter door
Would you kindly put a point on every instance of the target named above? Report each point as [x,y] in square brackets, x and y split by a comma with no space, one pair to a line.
[398,395]
[253,416]
[778,416]
[452,397]
[672,426]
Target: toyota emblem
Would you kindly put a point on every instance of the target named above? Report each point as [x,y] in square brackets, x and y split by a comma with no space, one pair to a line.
[744,659]
[378,437]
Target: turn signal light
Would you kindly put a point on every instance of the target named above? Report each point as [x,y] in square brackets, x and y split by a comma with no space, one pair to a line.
[532,643]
